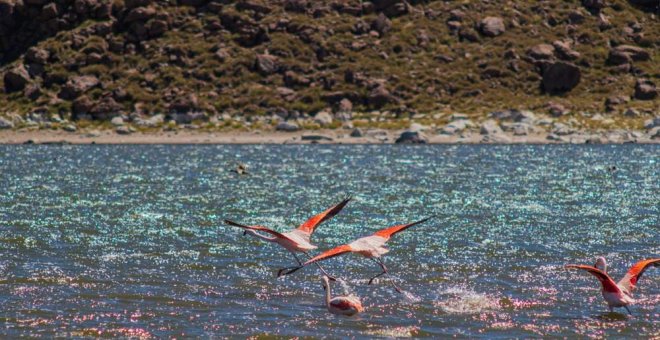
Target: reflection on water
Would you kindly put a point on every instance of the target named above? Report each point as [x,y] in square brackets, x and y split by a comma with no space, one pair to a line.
[127,241]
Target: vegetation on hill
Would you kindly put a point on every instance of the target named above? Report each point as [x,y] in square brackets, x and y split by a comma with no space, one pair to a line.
[195,59]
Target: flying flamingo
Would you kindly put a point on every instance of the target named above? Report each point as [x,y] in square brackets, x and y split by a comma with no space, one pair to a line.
[372,247]
[617,294]
[297,240]
[341,305]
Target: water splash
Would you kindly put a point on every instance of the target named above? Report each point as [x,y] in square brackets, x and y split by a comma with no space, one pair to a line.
[462,300]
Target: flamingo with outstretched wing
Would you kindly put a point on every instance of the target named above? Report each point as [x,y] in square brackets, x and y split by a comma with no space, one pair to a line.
[617,294]
[296,240]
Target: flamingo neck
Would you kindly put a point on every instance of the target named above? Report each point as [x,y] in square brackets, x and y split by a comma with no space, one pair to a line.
[327,295]
[263,237]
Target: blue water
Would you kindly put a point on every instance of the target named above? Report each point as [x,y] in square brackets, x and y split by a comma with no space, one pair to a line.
[128,241]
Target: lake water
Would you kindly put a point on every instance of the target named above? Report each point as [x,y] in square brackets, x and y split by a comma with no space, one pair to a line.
[129,240]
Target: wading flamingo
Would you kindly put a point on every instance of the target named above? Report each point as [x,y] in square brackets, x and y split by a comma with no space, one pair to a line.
[372,247]
[617,294]
[341,305]
[297,240]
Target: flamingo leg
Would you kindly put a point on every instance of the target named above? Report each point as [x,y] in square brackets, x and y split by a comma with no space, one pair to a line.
[291,269]
[382,266]
[332,278]
[628,310]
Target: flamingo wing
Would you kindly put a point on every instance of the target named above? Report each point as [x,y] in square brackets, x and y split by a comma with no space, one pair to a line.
[629,281]
[608,284]
[314,221]
[259,228]
[389,232]
[336,251]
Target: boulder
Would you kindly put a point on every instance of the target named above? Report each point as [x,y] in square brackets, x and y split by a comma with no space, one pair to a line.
[357,133]
[490,127]
[37,55]
[265,64]
[154,121]
[557,110]
[456,126]
[564,51]
[78,85]
[645,89]
[380,96]
[117,121]
[636,53]
[542,52]
[16,79]
[287,127]
[323,118]
[6,124]
[492,26]
[560,77]
[140,14]
[410,137]
[381,24]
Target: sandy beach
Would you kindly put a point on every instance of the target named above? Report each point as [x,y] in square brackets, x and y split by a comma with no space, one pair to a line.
[327,136]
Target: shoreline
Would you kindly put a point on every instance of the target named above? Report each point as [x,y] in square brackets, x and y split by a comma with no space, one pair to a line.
[323,136]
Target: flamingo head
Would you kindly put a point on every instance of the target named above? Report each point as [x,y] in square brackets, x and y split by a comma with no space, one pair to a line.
[325,281]
[601,264]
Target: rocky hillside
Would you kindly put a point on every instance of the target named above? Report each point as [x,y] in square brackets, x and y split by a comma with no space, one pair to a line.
[93,60]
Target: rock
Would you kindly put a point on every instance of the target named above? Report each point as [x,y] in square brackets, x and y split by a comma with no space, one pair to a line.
[287,127]
[492,26]
[560,77]
[410,137]
[557,110]
[456,126]
[618,58]
[490,127]
[645,90]
[595,5]
[316,138]
[37,55]
[654,133]
[561,129]
[32,91]
[16,79]
[265,64]
[357,133]
[69,128]
[542,52]
[651,123]
[124,130]
[564,51]
[323,118]
[636,53]
[117,121]
[458,116]
[184,104]
[6,124]
[645,3]
[497,138]
[77,86]
[154,121]
[140,14]
[380,96]
[345,105]
[381,24]
[630,112]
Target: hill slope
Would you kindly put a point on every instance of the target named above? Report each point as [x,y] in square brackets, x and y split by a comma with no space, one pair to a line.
[89,59]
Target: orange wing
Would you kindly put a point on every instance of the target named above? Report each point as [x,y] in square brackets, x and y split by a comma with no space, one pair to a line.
[344,248]
[605,280]
[629,281]
[311,224]
[258,228]
[388,232]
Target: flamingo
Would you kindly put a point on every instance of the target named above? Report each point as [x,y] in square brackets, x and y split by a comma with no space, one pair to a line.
[372,246]
[296,240]
[340,305]
[617,294]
